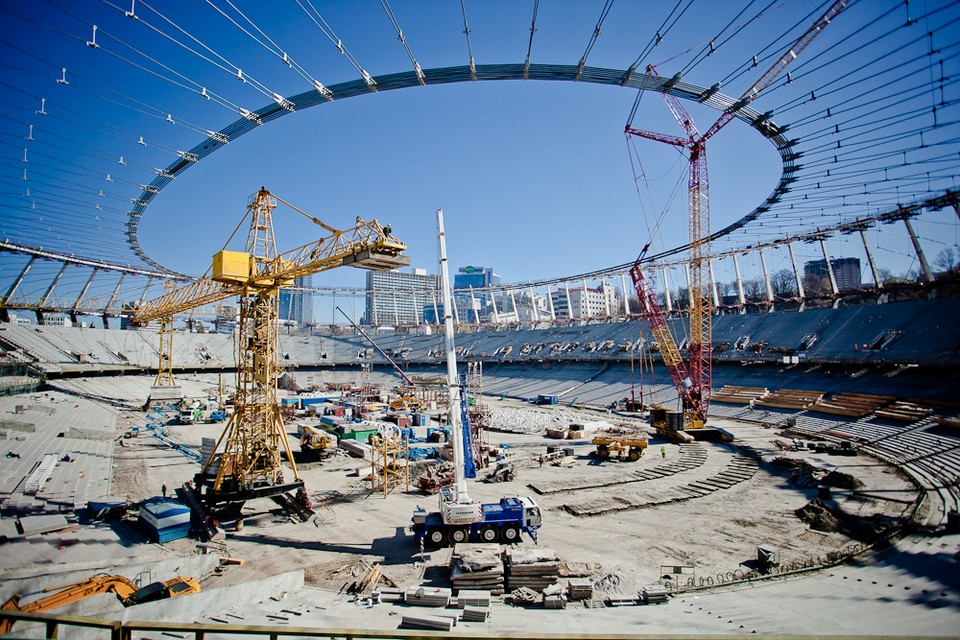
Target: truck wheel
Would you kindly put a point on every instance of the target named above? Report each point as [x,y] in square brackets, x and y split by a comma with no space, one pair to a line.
[603,452]
[436,538]
[508,477]
[489,534]
[511,534]
[459,535]
[633,456]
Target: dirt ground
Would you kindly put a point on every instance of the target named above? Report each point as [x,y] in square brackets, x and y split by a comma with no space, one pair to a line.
[710,535]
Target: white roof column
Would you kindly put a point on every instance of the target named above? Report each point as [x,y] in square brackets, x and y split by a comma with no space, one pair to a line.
[741,299]
[493,304]
[686,269]
[766,277]
[826,257]
[584,304]
[566,287]
[927,273]
[626,296]
[553,314]
[873,266]
[713,285]
[796,274]
[666,289]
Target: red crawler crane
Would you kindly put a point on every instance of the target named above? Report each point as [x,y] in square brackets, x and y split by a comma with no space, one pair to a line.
[693,383]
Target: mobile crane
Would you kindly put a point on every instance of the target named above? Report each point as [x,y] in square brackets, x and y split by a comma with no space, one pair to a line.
[246,461]
[126,591]
[461,519]
[693,381]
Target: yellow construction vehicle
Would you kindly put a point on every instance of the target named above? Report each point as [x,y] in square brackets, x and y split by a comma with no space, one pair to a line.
[126,591]
[629,448]
[315,440]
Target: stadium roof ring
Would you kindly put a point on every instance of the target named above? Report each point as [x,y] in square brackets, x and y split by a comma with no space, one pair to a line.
[562,73]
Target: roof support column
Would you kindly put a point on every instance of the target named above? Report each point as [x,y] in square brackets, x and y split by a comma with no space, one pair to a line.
[766,277]
[826,258]
[113,296]
[666,289]
[513,301]
[713,285]
[533,302]
[686,269]
[566,286]
[927,274]
[873,267]
[19,280]
[553,313]
[493,303]
[584,301]
[46,296]
[796,275]
[76,305]
[626,298]
[741,299]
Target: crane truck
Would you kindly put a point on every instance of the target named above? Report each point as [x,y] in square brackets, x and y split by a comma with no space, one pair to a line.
[461,519]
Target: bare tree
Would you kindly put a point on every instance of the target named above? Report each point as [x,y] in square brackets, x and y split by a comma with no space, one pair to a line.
[948,260]
[783,283]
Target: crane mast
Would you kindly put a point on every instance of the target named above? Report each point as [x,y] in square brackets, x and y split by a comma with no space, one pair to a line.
[456,508]
[246,461]
[694,389]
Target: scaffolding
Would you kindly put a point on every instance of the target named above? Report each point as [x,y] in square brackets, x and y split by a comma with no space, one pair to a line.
[390,462]
[479,415]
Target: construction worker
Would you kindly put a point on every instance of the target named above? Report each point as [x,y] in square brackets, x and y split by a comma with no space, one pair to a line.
[663,452]
[163,490]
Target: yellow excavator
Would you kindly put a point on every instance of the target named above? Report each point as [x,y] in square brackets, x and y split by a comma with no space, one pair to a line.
[126,591]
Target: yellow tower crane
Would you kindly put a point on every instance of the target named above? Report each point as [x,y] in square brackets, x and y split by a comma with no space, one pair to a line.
[246,460]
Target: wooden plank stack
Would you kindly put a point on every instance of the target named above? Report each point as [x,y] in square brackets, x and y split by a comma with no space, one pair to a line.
[477,566]
[851,405]
[428,596]
[733,394]
[473,598]
[423,621]
[789,399]
[903,411]
[533,568]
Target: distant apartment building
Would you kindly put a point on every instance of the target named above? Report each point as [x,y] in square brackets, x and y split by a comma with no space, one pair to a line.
[580,302]
[296,303]
[816,276]
[226,319]
[397,298]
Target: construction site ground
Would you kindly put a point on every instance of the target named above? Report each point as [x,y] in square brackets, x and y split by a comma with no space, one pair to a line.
[701,509]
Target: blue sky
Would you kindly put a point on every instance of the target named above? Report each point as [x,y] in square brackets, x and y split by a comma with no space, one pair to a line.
[534,177]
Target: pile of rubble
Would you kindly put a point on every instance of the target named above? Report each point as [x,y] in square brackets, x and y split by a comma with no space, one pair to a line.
[531,420]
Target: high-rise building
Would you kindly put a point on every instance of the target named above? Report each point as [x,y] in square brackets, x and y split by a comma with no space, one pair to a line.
[846,271]
[296,303]
[585,302]
[398,298]
[476,277]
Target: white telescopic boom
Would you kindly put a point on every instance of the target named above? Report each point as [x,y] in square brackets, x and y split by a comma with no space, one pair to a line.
[454,417]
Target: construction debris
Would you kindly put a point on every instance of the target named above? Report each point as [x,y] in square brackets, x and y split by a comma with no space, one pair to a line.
[553,597]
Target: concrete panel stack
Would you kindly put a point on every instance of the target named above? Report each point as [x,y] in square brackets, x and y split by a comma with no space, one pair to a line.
[654,594]
[428,596]
[422,621]
[533,568]
[476,614]
[477,566]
